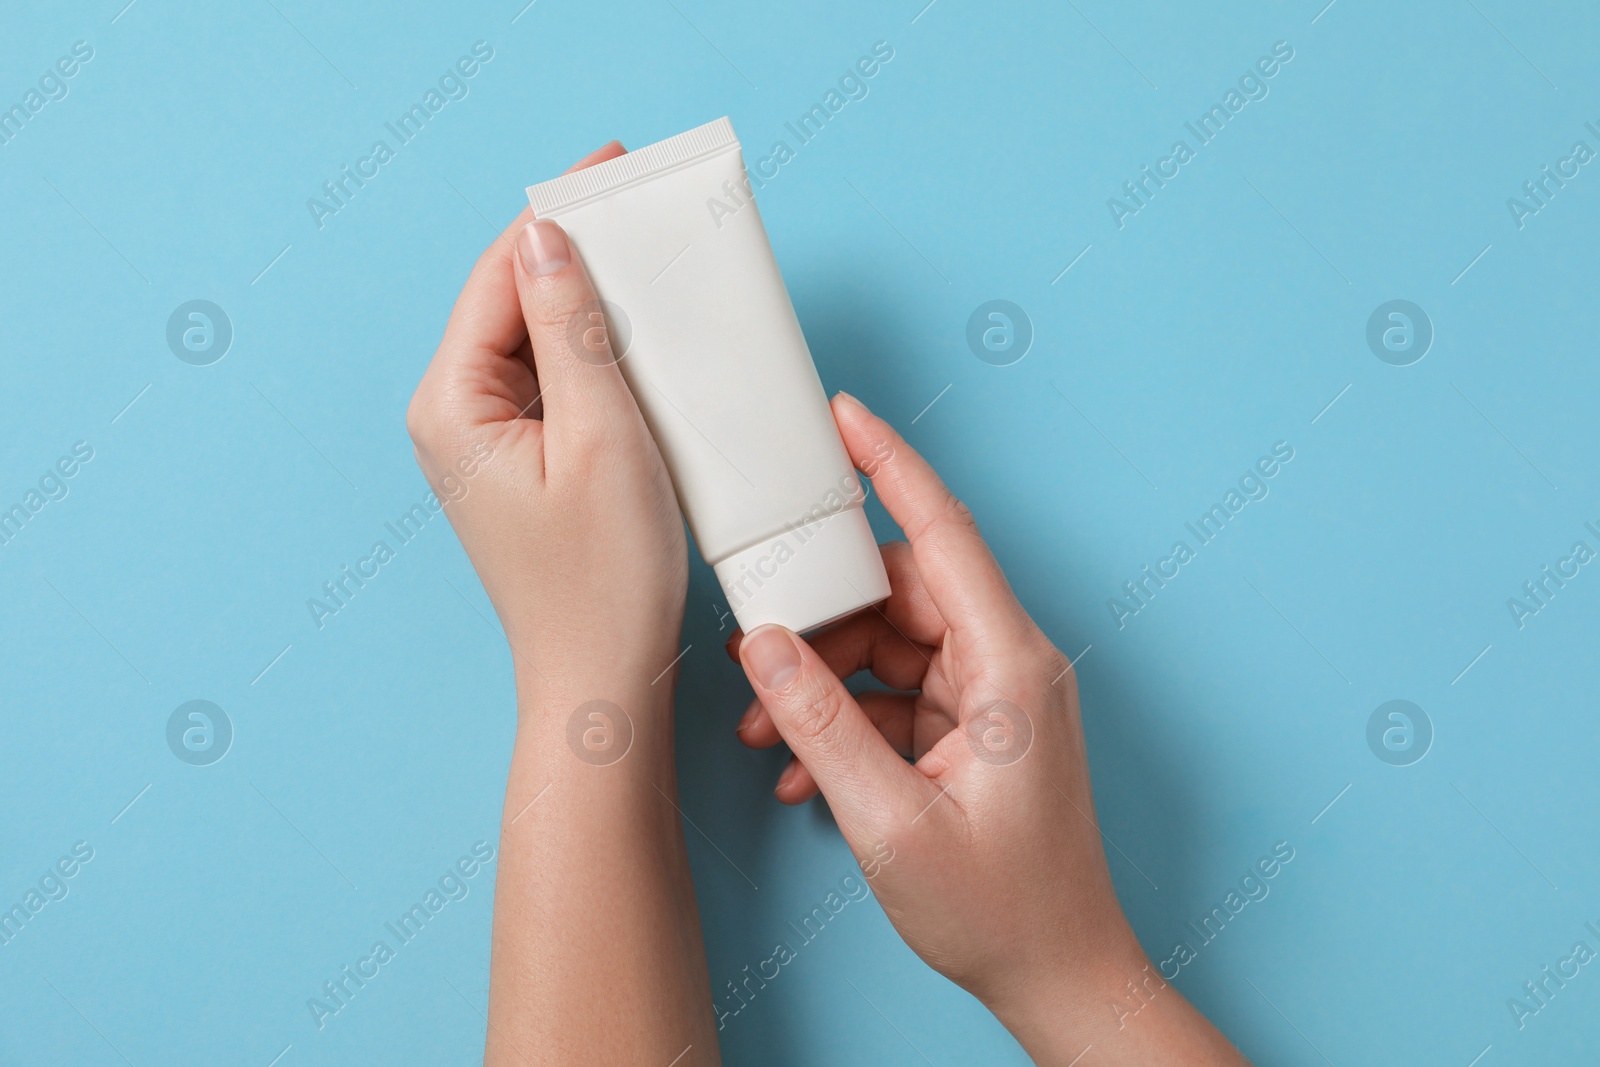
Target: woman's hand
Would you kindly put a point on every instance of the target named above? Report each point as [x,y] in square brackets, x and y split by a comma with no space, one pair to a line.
[984,852]
[526,429]
[554,485]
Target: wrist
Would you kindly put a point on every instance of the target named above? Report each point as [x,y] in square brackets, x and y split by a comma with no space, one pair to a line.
[1120,1005]
[584,657]
[1062,1010]
[544,692]
[595,714]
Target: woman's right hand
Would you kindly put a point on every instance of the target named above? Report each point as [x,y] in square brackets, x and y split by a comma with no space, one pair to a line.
[984,851]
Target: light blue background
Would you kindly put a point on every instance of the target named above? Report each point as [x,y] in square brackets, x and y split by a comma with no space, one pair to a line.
[1224,317]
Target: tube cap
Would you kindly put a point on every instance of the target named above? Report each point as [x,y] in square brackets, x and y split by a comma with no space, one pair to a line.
[807,576]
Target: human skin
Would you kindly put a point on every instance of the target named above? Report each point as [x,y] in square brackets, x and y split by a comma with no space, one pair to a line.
[989,865]
[984,852]
[574,531]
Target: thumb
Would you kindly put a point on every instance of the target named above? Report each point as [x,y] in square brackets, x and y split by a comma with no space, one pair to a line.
[585,398]
[866,782]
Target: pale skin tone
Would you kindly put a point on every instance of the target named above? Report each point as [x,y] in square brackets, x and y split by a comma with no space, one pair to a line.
[964,791]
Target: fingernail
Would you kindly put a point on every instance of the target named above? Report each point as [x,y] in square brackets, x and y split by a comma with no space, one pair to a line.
[772,657]
[543,247]
[787,776]
[748,719]
[849,399]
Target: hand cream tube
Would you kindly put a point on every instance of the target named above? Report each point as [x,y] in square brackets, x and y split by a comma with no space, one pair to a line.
[710,347]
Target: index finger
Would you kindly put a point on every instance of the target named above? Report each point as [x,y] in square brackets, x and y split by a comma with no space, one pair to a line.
[957,569]
[487,320]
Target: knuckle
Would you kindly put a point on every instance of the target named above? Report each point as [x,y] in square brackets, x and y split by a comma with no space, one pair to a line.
[814,712]
[420,422]
[1055,667]
[950,513]
[956,513]
[438,435]
[551,313]
[558,309]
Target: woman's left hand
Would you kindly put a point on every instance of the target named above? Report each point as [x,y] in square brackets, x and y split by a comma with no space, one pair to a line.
[527,431]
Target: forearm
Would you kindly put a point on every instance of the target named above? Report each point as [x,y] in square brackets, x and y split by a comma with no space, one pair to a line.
[597,949]
[1122,1009]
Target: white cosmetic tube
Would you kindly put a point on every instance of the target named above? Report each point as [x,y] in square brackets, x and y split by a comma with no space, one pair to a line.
[708,342]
